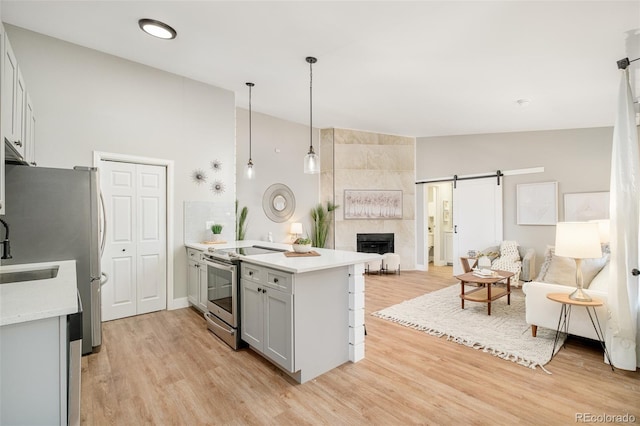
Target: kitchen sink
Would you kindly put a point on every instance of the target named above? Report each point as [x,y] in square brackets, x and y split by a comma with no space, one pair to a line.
[30,275]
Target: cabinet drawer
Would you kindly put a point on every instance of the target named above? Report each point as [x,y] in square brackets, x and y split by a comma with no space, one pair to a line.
[193,254]
[252,273]
[279,280]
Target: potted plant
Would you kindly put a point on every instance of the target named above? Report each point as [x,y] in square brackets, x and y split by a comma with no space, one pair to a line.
[217,230]
[321,221]
[302,245]
[241,222]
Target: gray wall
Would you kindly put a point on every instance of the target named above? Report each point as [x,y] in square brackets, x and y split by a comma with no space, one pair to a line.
[278,150]
[89,101]
[579,160]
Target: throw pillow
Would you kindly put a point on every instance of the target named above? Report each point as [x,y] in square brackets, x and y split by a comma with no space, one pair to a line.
[491,252]
[562,270]
[601,281]
[548,255]
[509,249]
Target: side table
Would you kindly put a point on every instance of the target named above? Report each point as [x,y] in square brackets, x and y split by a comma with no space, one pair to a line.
[464,260]
[565,316]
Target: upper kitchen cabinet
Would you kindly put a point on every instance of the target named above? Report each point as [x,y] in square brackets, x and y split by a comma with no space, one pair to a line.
[18,121]
[29,131]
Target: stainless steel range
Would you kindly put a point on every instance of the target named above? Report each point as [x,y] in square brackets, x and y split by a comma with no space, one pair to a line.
[223,287]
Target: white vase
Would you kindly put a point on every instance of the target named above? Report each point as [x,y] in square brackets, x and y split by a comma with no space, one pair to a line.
[216,237]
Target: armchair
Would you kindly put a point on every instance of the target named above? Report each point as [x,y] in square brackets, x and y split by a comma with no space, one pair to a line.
[527,258]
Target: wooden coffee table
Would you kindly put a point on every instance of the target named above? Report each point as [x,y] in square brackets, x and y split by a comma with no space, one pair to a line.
[486,292]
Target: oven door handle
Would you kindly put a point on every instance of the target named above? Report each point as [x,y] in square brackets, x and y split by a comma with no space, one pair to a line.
[208,315]
[217,265]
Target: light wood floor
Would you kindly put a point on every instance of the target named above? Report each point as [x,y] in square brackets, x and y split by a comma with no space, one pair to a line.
[165,368]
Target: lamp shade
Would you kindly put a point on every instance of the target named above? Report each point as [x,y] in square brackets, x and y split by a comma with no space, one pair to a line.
[603,229]
[296,228]
[579,240]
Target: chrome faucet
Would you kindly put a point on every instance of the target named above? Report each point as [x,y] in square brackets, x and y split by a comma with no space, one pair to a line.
[6,244]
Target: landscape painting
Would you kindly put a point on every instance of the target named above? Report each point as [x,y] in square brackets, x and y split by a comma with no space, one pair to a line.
[373,204]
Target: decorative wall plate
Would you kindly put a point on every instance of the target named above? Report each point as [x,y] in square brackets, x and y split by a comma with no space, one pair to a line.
[199,176]
[217,187]
[278,202]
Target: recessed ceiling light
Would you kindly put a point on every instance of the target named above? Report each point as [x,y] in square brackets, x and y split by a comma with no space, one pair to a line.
[157,29]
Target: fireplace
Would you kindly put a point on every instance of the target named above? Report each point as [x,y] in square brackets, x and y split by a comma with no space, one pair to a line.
[375,243]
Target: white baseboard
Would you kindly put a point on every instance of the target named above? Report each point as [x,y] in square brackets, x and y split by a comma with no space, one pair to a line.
[182,302]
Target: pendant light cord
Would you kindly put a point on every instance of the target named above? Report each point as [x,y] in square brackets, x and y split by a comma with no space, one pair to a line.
[250,85]
[250,122]
[310,106]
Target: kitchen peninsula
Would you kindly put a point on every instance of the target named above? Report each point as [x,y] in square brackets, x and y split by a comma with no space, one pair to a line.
[305,314]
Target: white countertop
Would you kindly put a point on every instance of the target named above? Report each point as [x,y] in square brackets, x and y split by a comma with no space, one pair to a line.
[39,299]
[328,258]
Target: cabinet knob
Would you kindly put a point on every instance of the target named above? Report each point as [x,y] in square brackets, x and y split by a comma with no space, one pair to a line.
[275,280]
[19,143]
[124,250]
[250,273]
[264,290]
[259,290]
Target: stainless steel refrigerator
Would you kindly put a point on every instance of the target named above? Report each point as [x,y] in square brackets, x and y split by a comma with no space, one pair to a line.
[55,214]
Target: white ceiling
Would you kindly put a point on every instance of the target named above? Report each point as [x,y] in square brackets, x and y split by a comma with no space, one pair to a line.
[422,68]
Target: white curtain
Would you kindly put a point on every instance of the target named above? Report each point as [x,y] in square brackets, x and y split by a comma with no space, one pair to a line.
[622,337]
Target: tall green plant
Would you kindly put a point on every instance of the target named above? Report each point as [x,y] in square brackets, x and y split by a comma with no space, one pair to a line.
[241,222]
[321,223]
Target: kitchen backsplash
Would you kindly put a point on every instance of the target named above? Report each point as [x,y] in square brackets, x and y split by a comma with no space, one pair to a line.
[198,213]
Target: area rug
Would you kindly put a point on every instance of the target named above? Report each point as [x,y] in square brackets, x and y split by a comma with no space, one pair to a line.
[504,333]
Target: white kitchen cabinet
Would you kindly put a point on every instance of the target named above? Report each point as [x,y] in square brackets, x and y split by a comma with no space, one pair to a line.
[267,314]
[17,119]
[13,100]
[197,291]
[30,131]
[203,286]
[193,282]
[33,367]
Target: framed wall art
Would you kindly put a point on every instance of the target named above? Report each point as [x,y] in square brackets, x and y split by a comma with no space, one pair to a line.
[584,206]
[537,203]
[372,204]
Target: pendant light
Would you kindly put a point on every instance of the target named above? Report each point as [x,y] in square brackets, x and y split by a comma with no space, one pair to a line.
[250,171]
[311,160]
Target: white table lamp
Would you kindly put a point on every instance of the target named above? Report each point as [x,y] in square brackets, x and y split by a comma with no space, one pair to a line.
[296,230]
[579,240]
[603,228]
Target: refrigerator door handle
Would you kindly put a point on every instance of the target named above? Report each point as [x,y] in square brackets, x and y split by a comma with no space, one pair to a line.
[103,241]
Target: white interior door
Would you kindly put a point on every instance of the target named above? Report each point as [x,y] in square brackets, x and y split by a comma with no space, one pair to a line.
[477,217]
[152,238]
[135,250]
